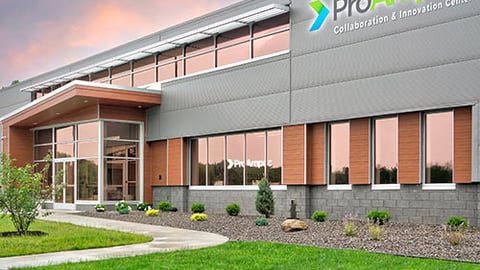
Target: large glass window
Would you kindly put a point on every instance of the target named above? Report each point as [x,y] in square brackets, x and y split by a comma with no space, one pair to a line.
[216,161]
[236,159]
[199,161]
[144,71]
[274,156]
[87,179]
[386,150]
[439,147]
[121,75]
[64,142]
[121,150]
[255,165]
[339,153]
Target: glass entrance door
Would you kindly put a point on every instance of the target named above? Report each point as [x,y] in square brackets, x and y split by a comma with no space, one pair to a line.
[65,199]
[121,180]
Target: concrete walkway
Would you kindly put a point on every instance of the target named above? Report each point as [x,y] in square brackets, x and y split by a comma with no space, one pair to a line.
[165,239]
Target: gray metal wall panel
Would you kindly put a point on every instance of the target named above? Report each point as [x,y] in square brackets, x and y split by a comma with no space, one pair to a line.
[259,112]
[423,48]
[303,16]
[249,96]
[12,99]
[436,87]
[258,78]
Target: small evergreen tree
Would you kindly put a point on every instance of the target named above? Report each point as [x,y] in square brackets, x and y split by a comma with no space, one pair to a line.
[265,203]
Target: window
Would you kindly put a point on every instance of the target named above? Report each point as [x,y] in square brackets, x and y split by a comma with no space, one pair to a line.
[236,159]
[339,153]
[386,150]
[216,160]
[255,165]
[144,71]
[439,147]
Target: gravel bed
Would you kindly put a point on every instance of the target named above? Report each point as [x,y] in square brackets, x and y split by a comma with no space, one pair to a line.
[416,240]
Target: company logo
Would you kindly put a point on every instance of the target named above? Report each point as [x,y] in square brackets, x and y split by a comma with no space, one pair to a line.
[322,12]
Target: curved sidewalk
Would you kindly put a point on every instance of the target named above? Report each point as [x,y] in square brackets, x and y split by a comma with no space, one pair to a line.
[164,239]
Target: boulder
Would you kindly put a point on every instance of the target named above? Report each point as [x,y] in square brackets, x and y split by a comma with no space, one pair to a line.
[291,225]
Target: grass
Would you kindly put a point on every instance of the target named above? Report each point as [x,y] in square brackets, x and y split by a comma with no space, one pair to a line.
[265,255]
[61,238]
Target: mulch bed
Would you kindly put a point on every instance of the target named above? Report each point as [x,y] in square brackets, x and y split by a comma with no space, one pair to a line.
[29,233]
[415,240]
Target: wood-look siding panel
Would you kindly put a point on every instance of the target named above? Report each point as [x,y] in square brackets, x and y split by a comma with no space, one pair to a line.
[158,164]
[359,151]
[462,162]
[294,155]
[87,113]
[409,148]
[122,113]
[174,165]
[316,154]
[21,145]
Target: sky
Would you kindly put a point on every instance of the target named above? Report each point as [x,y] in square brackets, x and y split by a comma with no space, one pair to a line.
[37,36]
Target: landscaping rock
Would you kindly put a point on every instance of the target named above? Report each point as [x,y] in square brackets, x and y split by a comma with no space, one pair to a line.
[292,225]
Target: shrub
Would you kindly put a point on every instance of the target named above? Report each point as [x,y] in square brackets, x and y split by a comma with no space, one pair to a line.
[261,221]
[375,232]
[349,226]
[164,206]
[143,206]
[199,217]
[123,207]
[198,208]
[233,209]
[151,212]
[23,191]
[319,216]
[456,223]
[99,207]
[380,216]
[454,238]
[265,203]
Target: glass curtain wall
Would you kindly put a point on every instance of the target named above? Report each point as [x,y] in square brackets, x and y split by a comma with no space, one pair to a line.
[236,159]
[74,150]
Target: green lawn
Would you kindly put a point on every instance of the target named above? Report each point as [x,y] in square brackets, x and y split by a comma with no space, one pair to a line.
[264,255]
[61,238]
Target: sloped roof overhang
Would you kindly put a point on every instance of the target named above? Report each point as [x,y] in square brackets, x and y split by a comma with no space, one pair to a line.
[78,95]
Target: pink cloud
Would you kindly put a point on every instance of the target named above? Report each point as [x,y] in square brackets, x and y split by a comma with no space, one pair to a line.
[101,26]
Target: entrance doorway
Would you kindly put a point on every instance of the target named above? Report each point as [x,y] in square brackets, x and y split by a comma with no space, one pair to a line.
[65,199]
[121,180]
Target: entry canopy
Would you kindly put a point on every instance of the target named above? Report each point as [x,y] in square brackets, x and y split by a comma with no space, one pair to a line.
[80,95]
[228,19]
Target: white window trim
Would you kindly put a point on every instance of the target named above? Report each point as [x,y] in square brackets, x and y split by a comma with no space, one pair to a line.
[385,186]
[452,186]
[235,188]
[339,187]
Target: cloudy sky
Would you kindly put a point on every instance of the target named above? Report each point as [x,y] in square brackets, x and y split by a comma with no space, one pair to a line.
[40,35]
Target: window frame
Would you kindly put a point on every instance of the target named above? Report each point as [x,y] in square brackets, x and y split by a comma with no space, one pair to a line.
[373,159]
[328,158]
[423,167]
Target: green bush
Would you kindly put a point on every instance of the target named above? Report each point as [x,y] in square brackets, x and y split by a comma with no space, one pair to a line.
[199,217]
[319,216]
[164,206]
[456,223]
[261,221]
[123,207]
[233,209]
[380,216]
[143,206]
[265,203]
[198,208]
